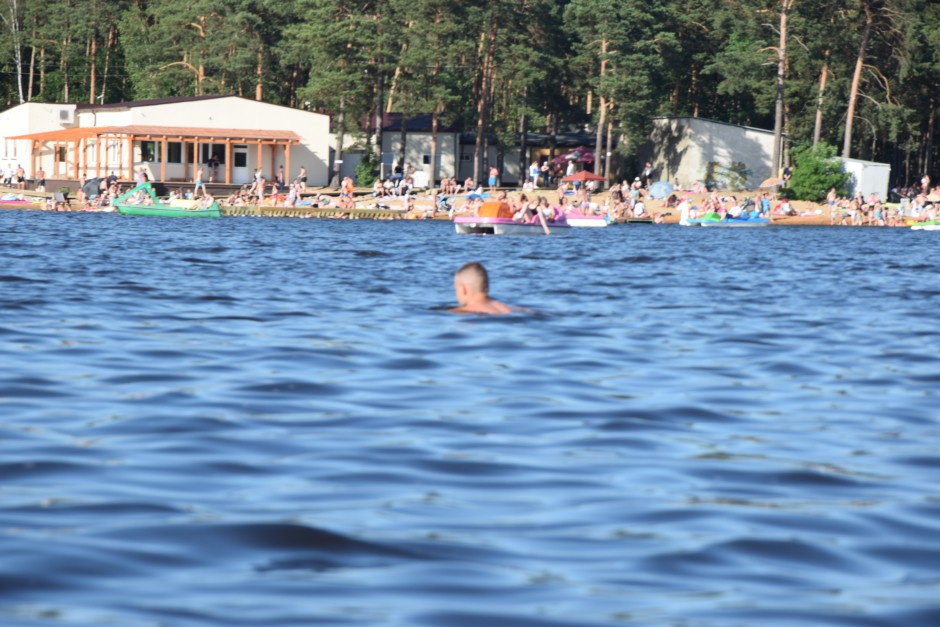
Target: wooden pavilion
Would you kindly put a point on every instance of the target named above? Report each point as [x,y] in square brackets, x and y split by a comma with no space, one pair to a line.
[93,148]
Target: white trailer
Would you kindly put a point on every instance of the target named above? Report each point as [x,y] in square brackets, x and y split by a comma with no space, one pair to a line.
[868,177]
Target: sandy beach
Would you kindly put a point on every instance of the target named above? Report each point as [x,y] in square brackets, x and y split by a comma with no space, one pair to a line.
[808,213]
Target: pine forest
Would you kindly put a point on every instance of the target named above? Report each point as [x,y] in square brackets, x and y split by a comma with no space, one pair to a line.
[859,75]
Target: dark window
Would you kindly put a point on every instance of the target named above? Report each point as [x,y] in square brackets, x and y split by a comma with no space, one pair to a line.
[207,151]
[174,152]
[241,159]
[149,151]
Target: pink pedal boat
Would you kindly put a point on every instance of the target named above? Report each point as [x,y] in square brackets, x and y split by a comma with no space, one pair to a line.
[495,218]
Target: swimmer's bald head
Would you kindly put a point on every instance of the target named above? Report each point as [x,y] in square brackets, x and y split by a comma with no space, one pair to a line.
[474,276]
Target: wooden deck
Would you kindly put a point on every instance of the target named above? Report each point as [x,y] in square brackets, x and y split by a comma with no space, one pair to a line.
[311,212]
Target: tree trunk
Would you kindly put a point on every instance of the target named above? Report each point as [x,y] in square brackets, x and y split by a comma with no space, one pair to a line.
[14,23]
[931,121]
[435,123]
[42,71]
[601,113]
[91,70]
[340,139]
[785,6]
[402,143]
[292,87]
[820,98]
[259,89]
[377,122]
[109,43]
[856,78]
[483,105]
[32,66]
[64,66]
[553,136]
[524,133]
[610,137]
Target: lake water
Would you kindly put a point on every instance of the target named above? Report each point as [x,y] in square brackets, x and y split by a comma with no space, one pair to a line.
[274,422]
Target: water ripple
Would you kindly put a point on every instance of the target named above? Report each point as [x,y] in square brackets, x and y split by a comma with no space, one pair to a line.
[277,422]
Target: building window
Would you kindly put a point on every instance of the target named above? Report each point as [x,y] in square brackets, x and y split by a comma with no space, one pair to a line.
[212,150]
[149,151]
[426,159]
[174,152]
[240,157]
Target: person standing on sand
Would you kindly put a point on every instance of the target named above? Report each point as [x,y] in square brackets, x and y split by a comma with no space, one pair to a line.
[472,287]
[534,173]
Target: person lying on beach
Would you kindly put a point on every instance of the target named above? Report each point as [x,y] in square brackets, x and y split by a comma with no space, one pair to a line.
[472,287]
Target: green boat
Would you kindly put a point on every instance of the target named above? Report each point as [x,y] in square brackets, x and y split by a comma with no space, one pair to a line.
[135,203]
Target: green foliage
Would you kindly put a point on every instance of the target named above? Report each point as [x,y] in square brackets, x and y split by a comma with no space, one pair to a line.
[501,65]
[816,170]
[729,177]
[367,170]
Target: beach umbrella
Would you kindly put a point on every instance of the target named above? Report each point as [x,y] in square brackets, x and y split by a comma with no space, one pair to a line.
[772,182]
[661,189]
[583,176]
[92,187]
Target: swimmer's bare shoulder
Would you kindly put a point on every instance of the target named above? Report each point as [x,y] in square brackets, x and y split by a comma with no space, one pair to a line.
[492,307]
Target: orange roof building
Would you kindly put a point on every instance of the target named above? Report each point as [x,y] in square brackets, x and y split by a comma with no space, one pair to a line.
[170,139]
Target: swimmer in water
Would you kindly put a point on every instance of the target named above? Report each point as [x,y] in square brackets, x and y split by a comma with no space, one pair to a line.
[472,286]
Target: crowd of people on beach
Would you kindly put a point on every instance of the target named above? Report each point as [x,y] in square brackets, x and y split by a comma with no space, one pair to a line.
[624,200]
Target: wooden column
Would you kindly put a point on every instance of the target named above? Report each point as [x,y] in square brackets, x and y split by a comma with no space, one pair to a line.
[228,161]
[259,155]
[55,160]
[287,163]
[130,158]
[98,155]
[120,151]
[163,156]
[195,158]
[75,159]
[34,145]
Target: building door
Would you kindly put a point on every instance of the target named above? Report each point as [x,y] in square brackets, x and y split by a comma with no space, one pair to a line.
[240,173]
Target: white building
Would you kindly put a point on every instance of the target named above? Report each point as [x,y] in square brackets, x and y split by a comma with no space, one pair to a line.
[724,156]
[168,138]
[868,177]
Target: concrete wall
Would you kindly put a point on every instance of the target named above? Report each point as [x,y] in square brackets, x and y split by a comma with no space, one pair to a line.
[31,117]
[695,149]
[509,173]
[868,177]
[418,150]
